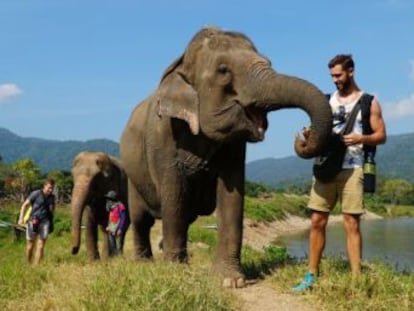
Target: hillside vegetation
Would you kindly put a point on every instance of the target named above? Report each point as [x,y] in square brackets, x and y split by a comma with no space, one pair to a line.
[49,154]
[394,159]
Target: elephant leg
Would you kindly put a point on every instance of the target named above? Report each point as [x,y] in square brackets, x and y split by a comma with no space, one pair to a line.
[230,200]
[91,236]
[141,221]
[175,220]
[106,247]
[174,231]
[230,228]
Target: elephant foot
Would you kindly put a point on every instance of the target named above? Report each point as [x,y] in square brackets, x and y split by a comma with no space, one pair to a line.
[234,283]
[144,255]
[144,259]
[94,257]
[231,275]
[181,257]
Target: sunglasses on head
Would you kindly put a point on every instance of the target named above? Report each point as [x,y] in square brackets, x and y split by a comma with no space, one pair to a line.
[340,114]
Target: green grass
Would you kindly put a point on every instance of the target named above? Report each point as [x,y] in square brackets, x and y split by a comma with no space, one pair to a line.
[378,288]
[66,282]
[275,207]
[400,210]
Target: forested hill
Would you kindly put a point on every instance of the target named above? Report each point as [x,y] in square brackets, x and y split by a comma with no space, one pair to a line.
[395,159]
[49,154]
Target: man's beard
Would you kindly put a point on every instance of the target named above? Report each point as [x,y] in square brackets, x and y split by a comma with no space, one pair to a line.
[343,87]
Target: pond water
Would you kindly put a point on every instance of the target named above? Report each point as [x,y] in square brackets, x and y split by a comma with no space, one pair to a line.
[388,240]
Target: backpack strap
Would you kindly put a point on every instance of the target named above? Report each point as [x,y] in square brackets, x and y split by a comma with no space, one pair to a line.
[349,124]
[366,100]
[365,103]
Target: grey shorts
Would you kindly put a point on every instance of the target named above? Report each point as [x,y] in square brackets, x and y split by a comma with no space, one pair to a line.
[42,231]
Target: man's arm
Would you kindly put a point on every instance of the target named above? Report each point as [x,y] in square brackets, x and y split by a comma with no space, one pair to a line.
[378,135]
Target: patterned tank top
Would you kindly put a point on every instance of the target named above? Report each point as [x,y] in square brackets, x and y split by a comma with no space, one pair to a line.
[354,154]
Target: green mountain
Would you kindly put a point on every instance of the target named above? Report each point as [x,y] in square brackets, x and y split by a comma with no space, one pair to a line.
[49,154]
[395,159]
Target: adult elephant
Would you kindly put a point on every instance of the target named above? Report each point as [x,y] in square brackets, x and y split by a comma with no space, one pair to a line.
[94,174]
[184,147]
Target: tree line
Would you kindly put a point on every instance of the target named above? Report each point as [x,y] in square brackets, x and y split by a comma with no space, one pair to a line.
[395,191]
[18,179]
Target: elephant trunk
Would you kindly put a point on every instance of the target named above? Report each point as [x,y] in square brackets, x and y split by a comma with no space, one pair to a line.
[276,91]
[79,198]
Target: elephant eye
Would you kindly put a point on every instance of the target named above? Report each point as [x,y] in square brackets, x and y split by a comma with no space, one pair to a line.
[223,69]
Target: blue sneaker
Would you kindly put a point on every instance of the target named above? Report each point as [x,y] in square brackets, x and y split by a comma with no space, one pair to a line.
[306,284]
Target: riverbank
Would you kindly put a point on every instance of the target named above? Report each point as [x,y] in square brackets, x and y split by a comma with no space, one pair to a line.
[260,234]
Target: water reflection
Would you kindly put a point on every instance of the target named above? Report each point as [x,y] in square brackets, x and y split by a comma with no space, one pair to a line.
[388,240]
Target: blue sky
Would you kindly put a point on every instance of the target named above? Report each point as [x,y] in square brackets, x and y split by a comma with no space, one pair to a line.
[74,70]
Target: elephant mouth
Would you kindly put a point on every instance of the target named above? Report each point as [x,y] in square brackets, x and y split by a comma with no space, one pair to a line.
[258,117]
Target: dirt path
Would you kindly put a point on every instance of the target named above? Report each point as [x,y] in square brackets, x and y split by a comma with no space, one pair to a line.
[262,297]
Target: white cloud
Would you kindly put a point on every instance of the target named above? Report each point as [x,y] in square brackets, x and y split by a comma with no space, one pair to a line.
[402,109]
[8,90]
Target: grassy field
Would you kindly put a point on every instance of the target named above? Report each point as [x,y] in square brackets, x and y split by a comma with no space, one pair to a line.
[66,282]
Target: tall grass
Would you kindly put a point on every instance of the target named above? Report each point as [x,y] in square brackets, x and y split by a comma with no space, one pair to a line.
[378,288]
[66,282]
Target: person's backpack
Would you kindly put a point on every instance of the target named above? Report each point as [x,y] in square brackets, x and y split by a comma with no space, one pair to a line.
[365,101]
[333,155]
[38,214]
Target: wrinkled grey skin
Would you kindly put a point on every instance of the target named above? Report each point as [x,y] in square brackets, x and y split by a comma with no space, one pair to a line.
[184,147]
[94,174]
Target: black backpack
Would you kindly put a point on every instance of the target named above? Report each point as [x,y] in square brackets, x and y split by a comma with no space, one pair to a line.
[334,152]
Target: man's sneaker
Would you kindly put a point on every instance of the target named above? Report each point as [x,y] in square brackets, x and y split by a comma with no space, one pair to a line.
[306,284]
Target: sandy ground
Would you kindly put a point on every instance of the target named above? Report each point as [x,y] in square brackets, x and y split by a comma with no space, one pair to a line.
[264,298]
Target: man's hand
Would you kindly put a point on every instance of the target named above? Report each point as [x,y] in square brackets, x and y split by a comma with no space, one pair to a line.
[306,132]
[352,139]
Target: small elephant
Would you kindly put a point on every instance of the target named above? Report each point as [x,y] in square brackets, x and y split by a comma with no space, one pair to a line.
[184,147]
[94,174]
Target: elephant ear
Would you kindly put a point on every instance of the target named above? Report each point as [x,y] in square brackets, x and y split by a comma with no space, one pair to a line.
[176,98]
[102,161]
